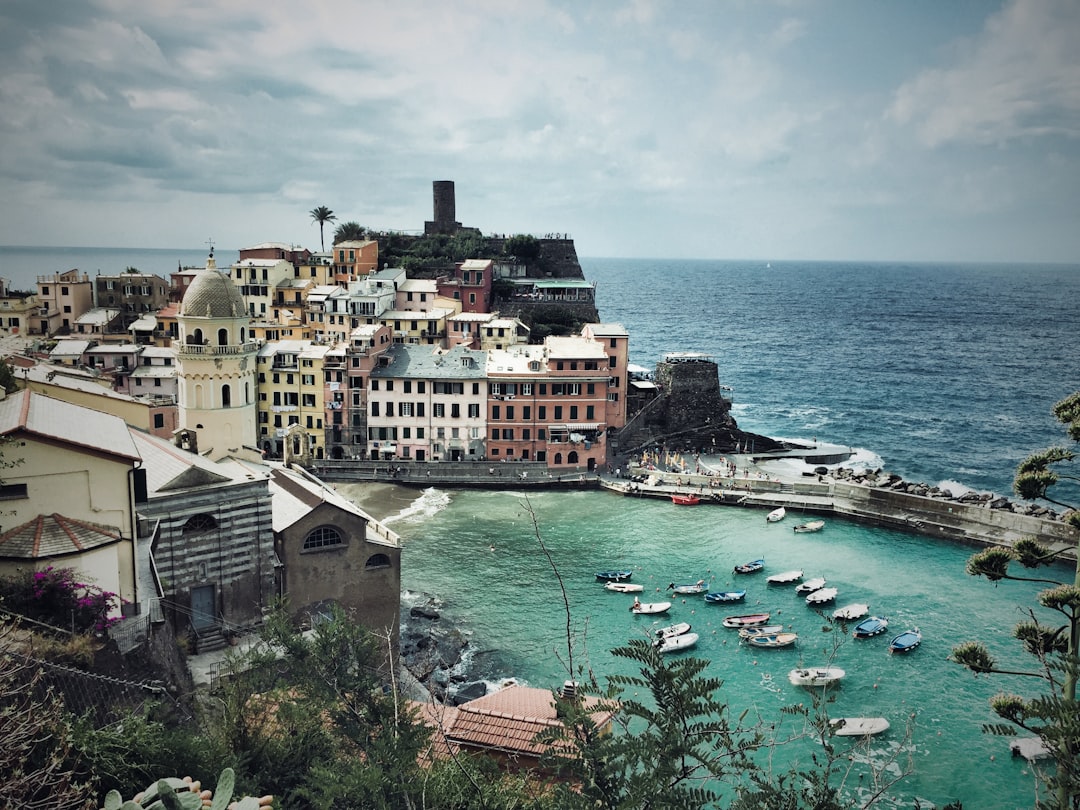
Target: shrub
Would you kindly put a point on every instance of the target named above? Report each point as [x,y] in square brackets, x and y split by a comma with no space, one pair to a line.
[55,596]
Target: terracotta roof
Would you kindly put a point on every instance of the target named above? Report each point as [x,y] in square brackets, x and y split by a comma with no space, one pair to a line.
[54,536]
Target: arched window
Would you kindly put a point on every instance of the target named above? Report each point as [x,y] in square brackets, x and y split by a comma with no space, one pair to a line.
[558,458]
[243,333]
[572,457]
[222,337]
[323,537]
[226,396]
[377,561]
[199,524]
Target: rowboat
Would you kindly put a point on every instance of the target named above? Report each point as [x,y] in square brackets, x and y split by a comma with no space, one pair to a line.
[772,640]
[650,607]
[623,587]
[776,515]
[751,567]
[701,586]
[811,585]
[675,643]
[856,610]
[748,620]
[784,578]
[614,576]
[872,626]
[760,630]
[821,596]
[809,526]
[815,676]
[858,726]
[906,641]
[685,500]
[725,596]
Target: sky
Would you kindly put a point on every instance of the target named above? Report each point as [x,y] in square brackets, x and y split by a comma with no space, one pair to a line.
[910,130]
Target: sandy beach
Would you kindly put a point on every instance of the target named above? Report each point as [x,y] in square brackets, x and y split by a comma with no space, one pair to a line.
[380,500]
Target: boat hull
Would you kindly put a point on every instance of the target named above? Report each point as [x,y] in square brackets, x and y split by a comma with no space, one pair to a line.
[749,620]
[858,726]
[623,587]
[815,676]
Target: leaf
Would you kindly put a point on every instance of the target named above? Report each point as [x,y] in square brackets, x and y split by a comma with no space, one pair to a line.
[224,790]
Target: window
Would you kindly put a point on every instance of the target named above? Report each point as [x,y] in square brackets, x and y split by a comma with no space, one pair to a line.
[496,412]
[199,524]
[455,411]
[405,409]
[474,410]
[323,537]
[377,561]
[440,410]
[526,389]
[558,413]
[509,412]
[11,491]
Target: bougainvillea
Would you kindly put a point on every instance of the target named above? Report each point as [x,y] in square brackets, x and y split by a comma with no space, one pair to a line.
[56,596]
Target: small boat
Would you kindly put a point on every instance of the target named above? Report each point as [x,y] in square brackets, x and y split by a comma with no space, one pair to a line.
[784,578]
[748,620]
[906,641]
[613,576]
[858,726]
[751,567]
[650,607]
[771,640]
[811,585]
[623,587]
[821,596]
[872,626]
[725,596]
[675,643]
[701,586]
[856,610]
[761,630]
[776,515]
[815,676]
[809,526]
[673,630]
[685,500]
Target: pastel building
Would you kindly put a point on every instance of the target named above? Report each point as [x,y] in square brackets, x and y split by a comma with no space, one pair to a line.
[346,369]
[291,405]
[63,297]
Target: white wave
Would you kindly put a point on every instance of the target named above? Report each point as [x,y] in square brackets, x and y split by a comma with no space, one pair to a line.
[430,503]
[863,459]
[955,487]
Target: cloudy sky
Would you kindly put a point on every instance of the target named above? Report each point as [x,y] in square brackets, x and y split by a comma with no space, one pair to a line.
[794,129]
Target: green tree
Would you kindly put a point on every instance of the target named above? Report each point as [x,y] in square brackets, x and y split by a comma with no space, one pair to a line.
[7,378]
[1054,717]
[349,232]
[522,246]
[322,215]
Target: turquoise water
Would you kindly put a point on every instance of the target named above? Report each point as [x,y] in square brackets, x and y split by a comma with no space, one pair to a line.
[508,599]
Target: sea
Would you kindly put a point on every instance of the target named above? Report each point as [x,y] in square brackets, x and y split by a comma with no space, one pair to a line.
[941,373]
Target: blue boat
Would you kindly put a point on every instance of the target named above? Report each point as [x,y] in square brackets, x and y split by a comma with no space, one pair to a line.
[906,641]
[871,626]
[614,576]
[751,567]
[725,596]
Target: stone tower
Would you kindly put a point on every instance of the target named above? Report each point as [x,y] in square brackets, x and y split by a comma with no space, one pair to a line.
[445,209]
[216,368]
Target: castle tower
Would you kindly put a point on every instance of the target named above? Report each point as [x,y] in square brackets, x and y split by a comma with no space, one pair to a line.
[216,367]
[445,209]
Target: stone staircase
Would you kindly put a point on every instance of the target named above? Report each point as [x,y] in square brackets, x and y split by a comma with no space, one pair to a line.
[210,639]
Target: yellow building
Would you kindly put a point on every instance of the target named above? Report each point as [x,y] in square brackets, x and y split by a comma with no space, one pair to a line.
[291,393]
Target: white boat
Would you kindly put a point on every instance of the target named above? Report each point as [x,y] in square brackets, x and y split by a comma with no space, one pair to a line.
[747,620]
[784,578]
[773,640]
[760,630]
[821,596]
[809,526]
[701,586]
[811,585]
[623,587]
[856,610]
[673,630]
[776,515]
[682,641]
[858,726]
[650,607]
[815,676]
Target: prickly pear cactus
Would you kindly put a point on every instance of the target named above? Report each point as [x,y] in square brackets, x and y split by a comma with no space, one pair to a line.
[184,794]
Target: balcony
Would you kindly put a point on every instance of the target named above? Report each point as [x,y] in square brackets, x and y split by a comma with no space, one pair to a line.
[205,350]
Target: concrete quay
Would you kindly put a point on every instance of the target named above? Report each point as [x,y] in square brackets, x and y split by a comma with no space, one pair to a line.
[973,524]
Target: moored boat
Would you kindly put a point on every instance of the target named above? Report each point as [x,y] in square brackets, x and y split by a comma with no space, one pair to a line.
[772,640]
[821,596]
[858,726]
[747,620]
[815,676]
[649,607]
[811,585]
[623,587]
[906,641]
[676,643]
[809,526]
[856,610]
[871,626]
[614,575]
[776,515]
[751,567]
[673,630]
[784,577]
[685,500]
[725,596]
[701,586]
[760,630]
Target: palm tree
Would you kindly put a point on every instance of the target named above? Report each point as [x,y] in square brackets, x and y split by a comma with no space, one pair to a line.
[322,215]
[349,232]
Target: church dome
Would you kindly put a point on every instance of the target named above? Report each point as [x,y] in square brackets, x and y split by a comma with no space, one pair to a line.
[212,294]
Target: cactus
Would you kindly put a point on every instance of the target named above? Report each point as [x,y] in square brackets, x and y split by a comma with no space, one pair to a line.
[184,794]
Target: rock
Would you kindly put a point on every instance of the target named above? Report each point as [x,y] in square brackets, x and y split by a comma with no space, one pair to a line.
[424,612]
[470,691]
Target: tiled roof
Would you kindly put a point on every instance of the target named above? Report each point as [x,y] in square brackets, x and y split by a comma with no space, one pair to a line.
[73,424]
[54,536]
[212,295]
